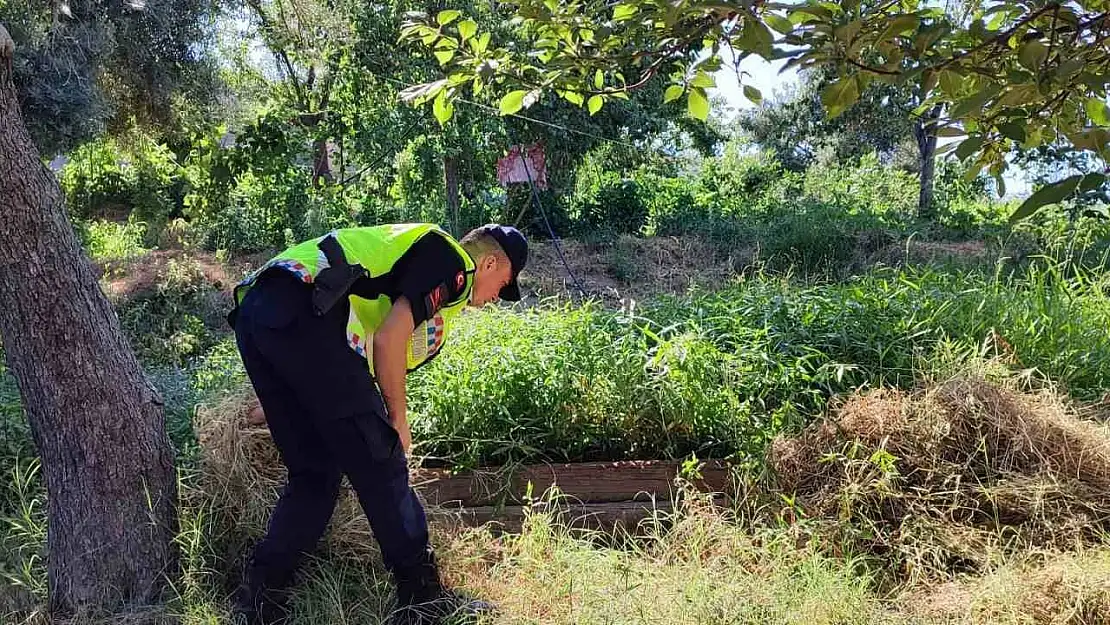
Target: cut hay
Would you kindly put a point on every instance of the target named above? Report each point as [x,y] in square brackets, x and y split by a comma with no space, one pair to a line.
[242,475]
[950,478]
[1060,588]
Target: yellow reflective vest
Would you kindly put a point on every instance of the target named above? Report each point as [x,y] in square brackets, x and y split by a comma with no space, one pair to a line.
[376,250]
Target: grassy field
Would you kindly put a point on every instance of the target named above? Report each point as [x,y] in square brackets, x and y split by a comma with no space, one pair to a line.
[764,361]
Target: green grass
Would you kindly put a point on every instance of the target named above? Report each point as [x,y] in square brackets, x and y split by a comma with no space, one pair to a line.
[712,374]
[113,241]
[720,374]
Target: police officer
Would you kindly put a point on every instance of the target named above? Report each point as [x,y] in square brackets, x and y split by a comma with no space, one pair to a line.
[327,331]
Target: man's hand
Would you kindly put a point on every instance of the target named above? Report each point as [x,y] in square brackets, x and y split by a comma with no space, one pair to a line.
[391,362]
[405,434]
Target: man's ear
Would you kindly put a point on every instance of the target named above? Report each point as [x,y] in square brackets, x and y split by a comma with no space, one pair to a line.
[489,261]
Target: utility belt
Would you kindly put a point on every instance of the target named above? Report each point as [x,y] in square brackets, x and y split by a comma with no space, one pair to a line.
[327,288]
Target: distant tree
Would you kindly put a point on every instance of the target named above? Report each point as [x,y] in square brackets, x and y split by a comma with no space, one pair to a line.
[881,120]
[88,66]
[795,127]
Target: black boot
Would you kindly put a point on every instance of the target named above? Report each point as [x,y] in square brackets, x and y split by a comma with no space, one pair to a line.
[423,600]
[256,603]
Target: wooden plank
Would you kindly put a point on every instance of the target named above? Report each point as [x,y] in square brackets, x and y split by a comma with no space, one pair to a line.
[595,516]
[587,482]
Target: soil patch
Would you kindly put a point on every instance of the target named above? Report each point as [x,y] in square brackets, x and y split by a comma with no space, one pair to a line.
[913,252]
[630,267]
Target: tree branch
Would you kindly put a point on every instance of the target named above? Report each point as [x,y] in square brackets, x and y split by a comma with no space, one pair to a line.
[874,70]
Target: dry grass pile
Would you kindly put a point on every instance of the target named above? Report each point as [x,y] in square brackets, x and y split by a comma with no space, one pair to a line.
[242,474]
[1064,588]
[951,478]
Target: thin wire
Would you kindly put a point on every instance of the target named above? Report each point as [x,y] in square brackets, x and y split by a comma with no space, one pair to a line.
[550,230]
[373,162]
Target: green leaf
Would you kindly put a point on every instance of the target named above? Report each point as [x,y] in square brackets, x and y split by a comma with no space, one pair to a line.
[443,56]
[1032,54]
[446,17]
[968,147]
[703,80]
[1093,181]
[512,102]
[442,108]
[420,93]
[950,82]
[840,95]
[779,23]
[624,11]
[467,29]
[899,25]
[594,104]
[1012,130]
[847,33]
[599,79]
[1051,194]
[1019,95]
[950,131]
[1067,68]
[573,97]
[928,82]
[482,43]
[1094,139]
[1001,184]
[809,13]
[1097,111]
[976,102]
[672,93]
[755,37]
[697,104]
[753,94]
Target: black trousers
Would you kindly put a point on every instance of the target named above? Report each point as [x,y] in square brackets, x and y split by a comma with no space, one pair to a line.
[327,418]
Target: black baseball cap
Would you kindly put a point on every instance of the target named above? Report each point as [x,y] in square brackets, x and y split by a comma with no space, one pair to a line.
[515,246]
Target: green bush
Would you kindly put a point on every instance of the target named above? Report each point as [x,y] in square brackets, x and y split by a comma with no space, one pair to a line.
[177,321]
[864,188]
[607,201]
[94,181]
[739,182]
[109,240]
[539,385]
[139,182]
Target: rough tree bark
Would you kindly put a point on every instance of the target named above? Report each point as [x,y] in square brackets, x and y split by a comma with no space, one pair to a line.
[925,131]
[97,422]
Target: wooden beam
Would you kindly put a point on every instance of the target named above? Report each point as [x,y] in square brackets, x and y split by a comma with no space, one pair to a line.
[588,482]
[603,517]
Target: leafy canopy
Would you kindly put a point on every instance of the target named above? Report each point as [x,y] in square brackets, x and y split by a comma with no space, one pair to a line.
[1004,74]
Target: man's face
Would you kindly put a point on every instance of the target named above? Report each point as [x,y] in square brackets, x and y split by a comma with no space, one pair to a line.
[490,276]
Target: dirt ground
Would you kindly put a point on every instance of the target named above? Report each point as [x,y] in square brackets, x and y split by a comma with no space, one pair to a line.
[629,267]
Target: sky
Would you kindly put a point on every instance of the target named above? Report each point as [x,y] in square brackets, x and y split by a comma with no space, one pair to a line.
[767,76]
[769,79]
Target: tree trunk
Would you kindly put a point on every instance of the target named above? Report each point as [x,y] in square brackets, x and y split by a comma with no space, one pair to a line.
[451,184]
[97,422]
[321,169]
[925,131]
